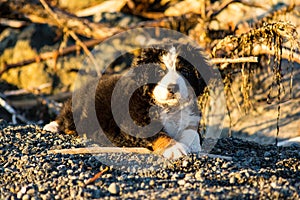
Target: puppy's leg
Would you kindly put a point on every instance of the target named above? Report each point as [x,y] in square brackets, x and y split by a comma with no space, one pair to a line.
[176,150]
[64,121]
[52,127]
[191,139]
[169,148]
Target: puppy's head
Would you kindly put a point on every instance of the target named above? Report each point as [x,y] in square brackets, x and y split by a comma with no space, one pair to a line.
[172,88]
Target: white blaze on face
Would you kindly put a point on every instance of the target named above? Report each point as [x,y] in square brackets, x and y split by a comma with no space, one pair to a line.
[162,93]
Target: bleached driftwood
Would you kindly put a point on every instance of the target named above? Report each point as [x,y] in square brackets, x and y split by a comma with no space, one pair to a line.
[289,142]
[12,111]
[106,6]
[96,150]
[139,150]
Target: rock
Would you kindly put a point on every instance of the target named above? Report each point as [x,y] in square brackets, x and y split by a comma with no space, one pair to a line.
[232,180]
[198,175]
[181,182]
[26,197]
[185,163]
[113,188]
[152,182]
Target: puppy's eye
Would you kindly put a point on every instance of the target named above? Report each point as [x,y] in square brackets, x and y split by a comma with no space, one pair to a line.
[160,72]
[185,72]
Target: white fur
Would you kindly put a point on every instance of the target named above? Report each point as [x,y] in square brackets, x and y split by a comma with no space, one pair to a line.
[189,142]
[191,138]
[170,59]
[161,95]
[161,92]
[177,119]
[52,127]
[176,151]
[178,116]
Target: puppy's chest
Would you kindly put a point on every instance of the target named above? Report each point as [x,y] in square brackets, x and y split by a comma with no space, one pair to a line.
[175,119]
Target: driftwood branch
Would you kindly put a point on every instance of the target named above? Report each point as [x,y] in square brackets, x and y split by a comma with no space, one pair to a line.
[269,39]
[12,111]
[28,103]
[225,61]
[69,32]
[50,101]
[36,13]
[106,6]
[12,23]
[96,176]
[98,150]
[286,53]
[32,90]
[257,51]
[234,60]
[289,142]
[48,55]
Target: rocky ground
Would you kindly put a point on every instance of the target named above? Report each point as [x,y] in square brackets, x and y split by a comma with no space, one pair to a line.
[250,171]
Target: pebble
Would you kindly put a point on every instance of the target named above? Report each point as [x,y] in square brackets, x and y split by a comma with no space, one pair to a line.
[26,197]
[198,175]
[185,163]
[30,191]
[19,195]
[232,180]
[114,188]
[152,182]
[181,182]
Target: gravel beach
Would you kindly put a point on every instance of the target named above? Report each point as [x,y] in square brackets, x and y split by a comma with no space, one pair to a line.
[28,171]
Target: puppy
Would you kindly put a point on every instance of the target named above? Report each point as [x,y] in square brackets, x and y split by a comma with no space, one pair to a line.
[160,90]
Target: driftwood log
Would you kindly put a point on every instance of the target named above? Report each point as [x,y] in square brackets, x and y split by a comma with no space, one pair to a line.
[99,150]
[35,12]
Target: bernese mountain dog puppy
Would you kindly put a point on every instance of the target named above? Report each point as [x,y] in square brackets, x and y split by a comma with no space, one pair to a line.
[161,89]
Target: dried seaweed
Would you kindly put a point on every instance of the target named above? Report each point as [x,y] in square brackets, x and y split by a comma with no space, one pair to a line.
[276,11]
[272,36]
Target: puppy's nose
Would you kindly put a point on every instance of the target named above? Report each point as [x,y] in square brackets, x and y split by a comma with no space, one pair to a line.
[173,88]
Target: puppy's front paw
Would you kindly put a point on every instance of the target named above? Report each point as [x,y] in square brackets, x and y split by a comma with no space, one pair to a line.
[191,139]
[169,148]
[52,127]
[176,151]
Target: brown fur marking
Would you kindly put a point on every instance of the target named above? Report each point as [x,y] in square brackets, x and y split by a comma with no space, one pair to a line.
[161,143]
